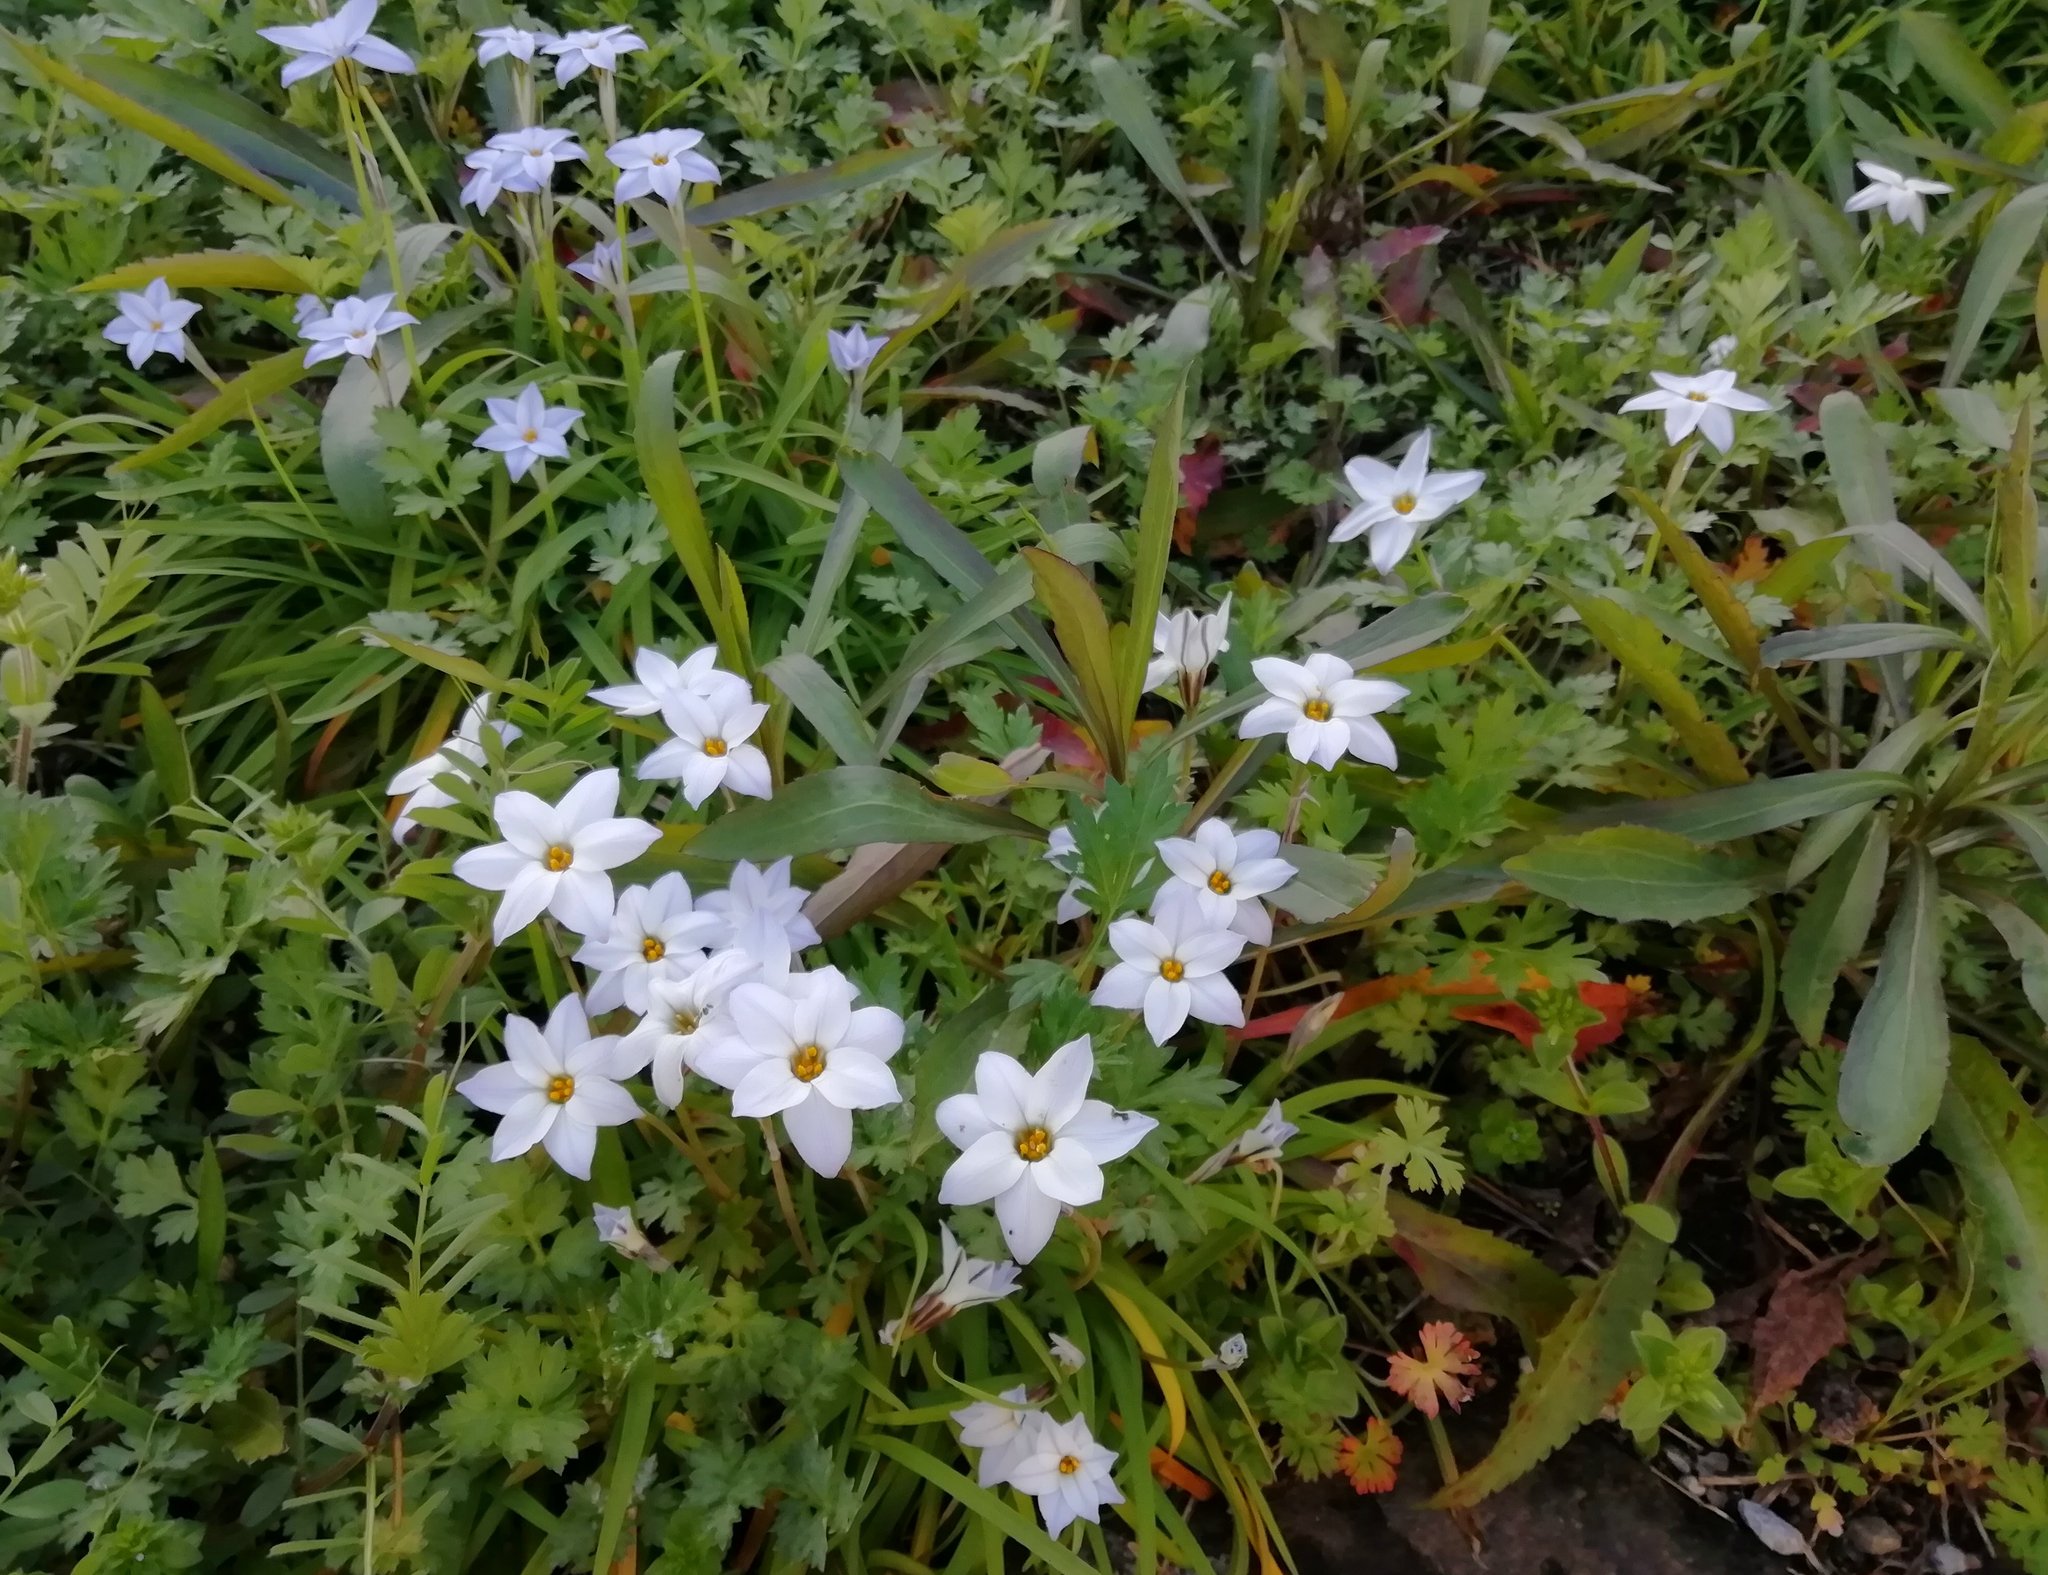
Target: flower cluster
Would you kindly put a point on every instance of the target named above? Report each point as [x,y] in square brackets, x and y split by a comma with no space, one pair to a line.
[1057,1463]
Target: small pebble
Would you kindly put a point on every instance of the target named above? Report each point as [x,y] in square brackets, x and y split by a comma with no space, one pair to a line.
[1945,1558]
[1878,1538]
[1773,1530]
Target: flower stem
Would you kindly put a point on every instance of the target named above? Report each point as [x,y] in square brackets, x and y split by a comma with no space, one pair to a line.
[796,1230]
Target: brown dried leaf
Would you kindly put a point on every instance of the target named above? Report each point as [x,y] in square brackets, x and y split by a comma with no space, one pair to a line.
[1806,1319]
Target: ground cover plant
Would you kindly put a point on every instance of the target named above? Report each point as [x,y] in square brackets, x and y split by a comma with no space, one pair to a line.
[891,788]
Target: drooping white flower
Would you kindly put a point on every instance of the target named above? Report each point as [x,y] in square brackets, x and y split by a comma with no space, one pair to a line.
[522,160]
[1259,1146]
[1704,404]
[1064,855]
[322,45]
[763,914]
[852,349]
[418,779]
[1903,197]
[710,748]
[500,43]
[1000,1432]
[556,1087]
[353,327]
[1225,873]
[1172,969]
[1324,709]
[615,1227]
[527,428]
[603,265]
[307,309]
[963,1282]
[1395,502]
[801,1049]
[658,163]
[149,320]
[556,857]
[1069,1355]
[1033,1142]
[661,679]
[683,1014]
[1069,1474]
[1230,1355]
[655,933]
[1184,645]
[591,49]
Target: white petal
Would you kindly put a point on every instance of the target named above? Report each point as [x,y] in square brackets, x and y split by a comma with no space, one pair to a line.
[526,1124]
[1062,1083]
[1006,1091]
[524,901]
[1166,1008]
[498,1089]
[493,868]
[989,1166]
[1069,1174]
[1028,1218]
[572,1144]
[821,1132]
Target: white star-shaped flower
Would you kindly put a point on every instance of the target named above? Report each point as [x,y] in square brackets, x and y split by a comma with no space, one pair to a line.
[500,43]
[661,679]
[1225,873]
[852,349]
[1395,502]
[1064,855]
[1324,709]
[1033,1142]
[1069,1355]
[1172,969]
[523,160]
[556,857]
[603,265]
[149,320]
[1259,1146]
[801,1049]
[655,934]
[354,326]
[763,914]
[659,164]
[1063,1467]
[1000,1432]
[1704,404]
[683,1015]
[527,428]
[556,1087]
[592,49]
[1185,644]
[710,748]
[1903,197]
[419,779]
[963,1282]
[321,46]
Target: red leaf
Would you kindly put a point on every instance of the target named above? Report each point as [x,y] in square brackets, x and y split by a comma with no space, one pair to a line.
[1201,473]
[1806,1319]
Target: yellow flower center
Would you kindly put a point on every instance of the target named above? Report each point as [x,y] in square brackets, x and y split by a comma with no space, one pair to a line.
[1173,970]
[530,435]
[1034,1143]
[1069,1465]
[653,950]
[659,158]
[1219,883]
[686,1022]
[1317,710]
[715,748]
[1405,503]
[1698,399]
[156,325]
[559,858]
[561,1089]
[807,1063]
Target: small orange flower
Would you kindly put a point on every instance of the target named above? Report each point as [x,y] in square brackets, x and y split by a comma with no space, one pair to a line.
[1371,1462]
[1439,1373]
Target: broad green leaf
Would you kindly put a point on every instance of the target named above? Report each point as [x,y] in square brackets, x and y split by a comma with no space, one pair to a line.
[1325,884]
[813,185]
[1833,926]
[1897,1057]
[1764,805]
[2015,546]
[1635,872]
[2000,1151]
[1912,549]
[1465,1267]
[1149,553]
[1896,751]
[164,741]
[2006,247]
[937,645]
[1857,463]
[1802,213]
[994,263]
[350,447]
[821,702]
[1635,643]
[211,271]
[207,124]
[2024,938]
[237,398]
[1578,1367]
[626,1450]
[2029,828]
[1082,628]
[1848,641]
[849,807]
[674,494]
[1616,273]
[1938,47]
[1125,101]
